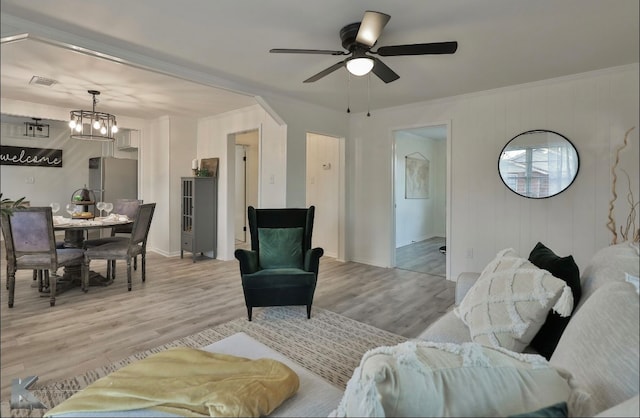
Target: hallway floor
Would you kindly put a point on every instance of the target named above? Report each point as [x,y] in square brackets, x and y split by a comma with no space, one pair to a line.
[423,257]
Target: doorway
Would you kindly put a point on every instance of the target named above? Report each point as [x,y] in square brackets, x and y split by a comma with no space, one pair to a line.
[324,190]
[246,183]
[420,188]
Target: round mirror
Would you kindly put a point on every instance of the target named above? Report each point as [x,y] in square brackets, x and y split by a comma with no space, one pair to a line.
[538,164]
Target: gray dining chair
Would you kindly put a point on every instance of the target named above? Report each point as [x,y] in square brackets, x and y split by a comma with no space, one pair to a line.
[30,245]
[127,207]
[126,249]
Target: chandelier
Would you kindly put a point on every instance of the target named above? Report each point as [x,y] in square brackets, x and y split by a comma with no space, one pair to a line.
[36,129]
[92,125]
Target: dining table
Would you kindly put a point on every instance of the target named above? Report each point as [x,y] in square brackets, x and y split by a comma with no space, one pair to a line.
[74,236]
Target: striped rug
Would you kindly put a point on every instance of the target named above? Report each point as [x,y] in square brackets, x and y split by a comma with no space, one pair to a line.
[329,345]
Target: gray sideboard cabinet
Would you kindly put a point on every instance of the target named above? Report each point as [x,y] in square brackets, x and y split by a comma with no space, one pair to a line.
[199,216]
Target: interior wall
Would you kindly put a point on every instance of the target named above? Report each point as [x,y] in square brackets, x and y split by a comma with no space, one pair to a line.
[419,219]
[592,109]
[183,136]
[300,119]
[216,138]
[155,180]
[43,185]
[52,184]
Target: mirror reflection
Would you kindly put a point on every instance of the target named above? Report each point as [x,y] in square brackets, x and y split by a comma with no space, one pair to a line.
[538,164]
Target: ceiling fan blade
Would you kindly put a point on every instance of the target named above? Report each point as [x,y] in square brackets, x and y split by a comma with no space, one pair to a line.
[385,73]
[371,27]
[418,49]
[306,51]
[325,72]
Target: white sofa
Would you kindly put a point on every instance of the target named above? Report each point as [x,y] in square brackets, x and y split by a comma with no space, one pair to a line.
[600,346]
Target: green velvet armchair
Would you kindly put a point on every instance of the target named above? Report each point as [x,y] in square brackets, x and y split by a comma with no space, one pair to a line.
[281,269]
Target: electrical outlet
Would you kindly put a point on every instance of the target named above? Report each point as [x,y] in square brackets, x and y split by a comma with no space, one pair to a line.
[272,179]
[469,253]
[29,180]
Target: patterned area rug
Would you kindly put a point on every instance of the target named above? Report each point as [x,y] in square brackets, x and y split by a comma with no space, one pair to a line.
[329,345]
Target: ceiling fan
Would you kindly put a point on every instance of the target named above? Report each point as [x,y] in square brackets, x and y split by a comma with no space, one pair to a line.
[358,38]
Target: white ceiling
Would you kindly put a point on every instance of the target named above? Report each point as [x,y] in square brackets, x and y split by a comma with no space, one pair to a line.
[225,43]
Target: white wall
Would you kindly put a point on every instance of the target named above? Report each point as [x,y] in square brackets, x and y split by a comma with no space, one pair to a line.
[216,138]
[166,151]
[182,143]
[302,118]
[52,184]
[420,219]
[154,186]
[593,110]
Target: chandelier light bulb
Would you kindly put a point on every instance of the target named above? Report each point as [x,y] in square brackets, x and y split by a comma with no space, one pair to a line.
[114,129]
[72,123]
[96,124]
[103,130]
[359,66]
[78,127]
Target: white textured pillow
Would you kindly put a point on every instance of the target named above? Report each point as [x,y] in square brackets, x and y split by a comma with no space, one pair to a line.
[425,379]
[511,300]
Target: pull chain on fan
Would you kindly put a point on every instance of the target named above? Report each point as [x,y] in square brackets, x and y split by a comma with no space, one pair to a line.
[348,92]
[368,94]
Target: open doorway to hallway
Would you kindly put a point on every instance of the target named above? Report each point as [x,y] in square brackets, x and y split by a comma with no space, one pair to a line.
[246,183]
[420,184]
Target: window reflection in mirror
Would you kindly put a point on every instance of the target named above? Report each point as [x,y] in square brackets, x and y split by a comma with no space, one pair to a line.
[538,164]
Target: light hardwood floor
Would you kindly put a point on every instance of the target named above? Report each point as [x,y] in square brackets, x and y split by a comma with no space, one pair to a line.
[423,256]
[179,298]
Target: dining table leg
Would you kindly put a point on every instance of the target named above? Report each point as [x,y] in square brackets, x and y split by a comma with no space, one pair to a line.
[72,276]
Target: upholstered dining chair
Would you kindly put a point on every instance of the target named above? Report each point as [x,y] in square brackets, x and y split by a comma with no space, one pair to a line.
[126,249]
[281,268]
[30,245]
[127,207]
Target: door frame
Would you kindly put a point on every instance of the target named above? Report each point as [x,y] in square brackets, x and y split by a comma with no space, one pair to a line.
[342,179]
[231,205]
[448,220]
[244,190]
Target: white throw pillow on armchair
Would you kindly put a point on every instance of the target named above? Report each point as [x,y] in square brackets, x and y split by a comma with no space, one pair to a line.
[510,301]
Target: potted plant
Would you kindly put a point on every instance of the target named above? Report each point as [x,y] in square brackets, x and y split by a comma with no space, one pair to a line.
[7,206]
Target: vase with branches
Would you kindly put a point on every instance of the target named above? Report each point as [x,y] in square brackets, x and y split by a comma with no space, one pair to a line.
[629,231]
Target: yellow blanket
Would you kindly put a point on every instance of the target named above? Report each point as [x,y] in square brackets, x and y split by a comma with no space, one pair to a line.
[189,382]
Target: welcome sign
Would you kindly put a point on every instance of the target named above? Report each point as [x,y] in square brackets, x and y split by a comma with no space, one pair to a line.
[35,157]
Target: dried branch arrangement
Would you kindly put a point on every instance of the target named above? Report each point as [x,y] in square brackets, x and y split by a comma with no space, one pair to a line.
[629,232]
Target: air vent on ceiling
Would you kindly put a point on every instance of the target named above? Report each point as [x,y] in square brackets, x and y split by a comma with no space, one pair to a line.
[42,81]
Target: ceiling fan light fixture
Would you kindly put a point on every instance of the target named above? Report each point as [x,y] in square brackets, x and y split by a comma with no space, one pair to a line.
[360,66]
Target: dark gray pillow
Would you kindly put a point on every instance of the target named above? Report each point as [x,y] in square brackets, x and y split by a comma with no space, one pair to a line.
[563,268]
